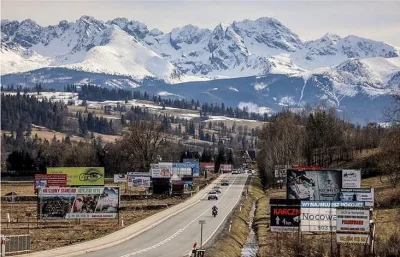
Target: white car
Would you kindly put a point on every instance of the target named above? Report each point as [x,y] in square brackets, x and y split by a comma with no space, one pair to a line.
[212,195]
[217,189]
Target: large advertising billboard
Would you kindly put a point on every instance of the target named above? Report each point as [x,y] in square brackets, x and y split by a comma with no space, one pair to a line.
[80,176]
[196,166]
[320,216]
[314,185]
[358,194]
[50,180]
[285,215]
[225,168]
[183,169]
[208,166]
[78,203]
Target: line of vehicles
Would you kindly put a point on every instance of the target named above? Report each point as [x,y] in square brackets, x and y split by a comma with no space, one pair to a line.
[213,194]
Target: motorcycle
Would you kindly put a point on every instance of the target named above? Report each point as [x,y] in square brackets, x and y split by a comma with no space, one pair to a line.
[214,212]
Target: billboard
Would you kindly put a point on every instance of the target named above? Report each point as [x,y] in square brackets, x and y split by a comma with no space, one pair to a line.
[358,194]
[314,185]
[225,167]
[344,238]
[50,180]
[135,181]
[320,216]
[195,168]
[354,220]
[209,166]
[351,178]
[80,176]
[162,170]
[181,169]
[78,203]
[120,178]
[285,215]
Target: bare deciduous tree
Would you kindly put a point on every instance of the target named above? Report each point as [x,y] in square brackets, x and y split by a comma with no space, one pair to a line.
[389,160]
[143,142]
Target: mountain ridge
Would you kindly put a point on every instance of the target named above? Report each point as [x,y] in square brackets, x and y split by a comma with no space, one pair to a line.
[126,53]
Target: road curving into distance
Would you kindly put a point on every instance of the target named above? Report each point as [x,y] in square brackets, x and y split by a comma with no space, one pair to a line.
[170,233]
[175,236]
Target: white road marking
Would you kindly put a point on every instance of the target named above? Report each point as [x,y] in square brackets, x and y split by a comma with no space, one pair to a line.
[182,229]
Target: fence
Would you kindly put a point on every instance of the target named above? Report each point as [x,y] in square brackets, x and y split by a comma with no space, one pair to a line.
[18,244]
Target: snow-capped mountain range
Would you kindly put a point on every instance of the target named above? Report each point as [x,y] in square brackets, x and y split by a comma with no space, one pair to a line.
[339,67]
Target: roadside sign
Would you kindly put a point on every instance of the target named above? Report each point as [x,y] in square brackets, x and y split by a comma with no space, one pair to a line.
[352,220]
[201,222]
[351,178]
[50,180]
[320,216]
[120,178]
[285,215]
[353,239]
[358,194]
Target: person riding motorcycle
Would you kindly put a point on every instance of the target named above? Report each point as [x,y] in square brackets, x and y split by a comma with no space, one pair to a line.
[215,209]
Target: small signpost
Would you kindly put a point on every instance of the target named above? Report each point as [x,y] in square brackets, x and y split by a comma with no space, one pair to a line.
[201,222]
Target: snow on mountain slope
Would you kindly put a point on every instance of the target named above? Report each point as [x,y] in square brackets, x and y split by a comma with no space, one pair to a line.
[123,55]
[370,75]
[331,50]
[21,60]
[238,49]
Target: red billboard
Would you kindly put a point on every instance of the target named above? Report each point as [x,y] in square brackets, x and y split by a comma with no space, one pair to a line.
[49,180]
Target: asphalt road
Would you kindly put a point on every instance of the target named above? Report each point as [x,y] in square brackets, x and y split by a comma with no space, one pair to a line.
[175,236]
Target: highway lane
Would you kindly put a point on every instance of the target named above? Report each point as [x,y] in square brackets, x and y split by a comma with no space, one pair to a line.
[175,236]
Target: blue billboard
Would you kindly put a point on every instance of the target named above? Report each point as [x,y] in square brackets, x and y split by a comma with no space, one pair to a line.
[196,166]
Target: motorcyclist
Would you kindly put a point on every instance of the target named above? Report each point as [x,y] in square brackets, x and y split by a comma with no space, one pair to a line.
[215,208]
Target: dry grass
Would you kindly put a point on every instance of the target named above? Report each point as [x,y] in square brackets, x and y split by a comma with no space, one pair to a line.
[230,244]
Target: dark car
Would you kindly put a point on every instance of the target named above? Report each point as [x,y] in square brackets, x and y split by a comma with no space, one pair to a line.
[224,183]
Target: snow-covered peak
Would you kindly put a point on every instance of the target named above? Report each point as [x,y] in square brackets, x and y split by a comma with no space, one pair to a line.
[134,28]
[358,47]
[188,34]
[270,32]
[330,37]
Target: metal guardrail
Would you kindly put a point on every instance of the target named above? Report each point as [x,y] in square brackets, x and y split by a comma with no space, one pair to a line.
[17,244]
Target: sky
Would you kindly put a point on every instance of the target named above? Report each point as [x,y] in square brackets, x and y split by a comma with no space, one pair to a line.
[378,20]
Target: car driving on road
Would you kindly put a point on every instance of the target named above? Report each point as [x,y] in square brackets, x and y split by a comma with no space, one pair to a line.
[217,189]
[212,195]
[224,182]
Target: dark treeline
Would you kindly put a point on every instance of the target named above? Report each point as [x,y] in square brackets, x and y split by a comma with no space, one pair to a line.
[95,93]
[31,155]
[19,111]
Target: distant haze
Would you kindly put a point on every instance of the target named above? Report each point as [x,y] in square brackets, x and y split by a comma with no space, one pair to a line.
[378,20]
